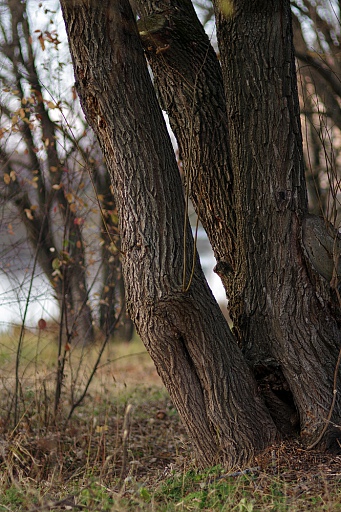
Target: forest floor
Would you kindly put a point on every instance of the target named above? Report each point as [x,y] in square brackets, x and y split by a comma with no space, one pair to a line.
[125,449]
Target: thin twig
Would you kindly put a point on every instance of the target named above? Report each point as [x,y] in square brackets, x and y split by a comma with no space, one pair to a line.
[125,439]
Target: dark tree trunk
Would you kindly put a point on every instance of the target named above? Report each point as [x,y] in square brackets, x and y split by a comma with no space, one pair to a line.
[282,309]
[188,80]
[173,54]
[184,331]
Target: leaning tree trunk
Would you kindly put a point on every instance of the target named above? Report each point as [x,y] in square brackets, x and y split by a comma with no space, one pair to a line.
[184,331]
[187,77]
[282,309]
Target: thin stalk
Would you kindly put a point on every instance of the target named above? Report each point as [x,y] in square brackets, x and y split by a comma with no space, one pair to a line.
[22,329]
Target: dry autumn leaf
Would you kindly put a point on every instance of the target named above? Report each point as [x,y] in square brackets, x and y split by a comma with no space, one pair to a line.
[28,214]
[101,429]
[41,41]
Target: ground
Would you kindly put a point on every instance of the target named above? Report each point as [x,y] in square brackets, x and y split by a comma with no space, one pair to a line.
[125,449]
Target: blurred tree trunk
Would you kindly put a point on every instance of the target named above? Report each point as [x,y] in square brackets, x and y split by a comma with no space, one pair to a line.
[38,187]
[318,65]
[114,319]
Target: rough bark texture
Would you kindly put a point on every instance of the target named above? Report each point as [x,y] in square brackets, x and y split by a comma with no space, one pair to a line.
[188,79]
[184,332]
[281,308]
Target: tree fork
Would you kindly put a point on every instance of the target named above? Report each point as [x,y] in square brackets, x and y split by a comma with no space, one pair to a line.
[201,365]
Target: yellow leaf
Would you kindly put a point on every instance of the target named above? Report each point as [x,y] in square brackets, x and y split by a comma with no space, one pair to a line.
[69,197]
[104,428]
[53,168]
[56,264]
[57,187]
[28,214]
[114,218]
[226,8]
[14,120]
[13,175]
[7,178]
[51,105]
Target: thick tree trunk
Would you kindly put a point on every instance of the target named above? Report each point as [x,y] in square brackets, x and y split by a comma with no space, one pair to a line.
[281,308]
[187,76]
[184,331]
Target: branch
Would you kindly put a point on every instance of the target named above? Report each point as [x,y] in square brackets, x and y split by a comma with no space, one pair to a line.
[326,72]
[324,27]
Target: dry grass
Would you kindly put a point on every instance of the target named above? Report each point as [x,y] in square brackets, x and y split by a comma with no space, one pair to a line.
[87,463]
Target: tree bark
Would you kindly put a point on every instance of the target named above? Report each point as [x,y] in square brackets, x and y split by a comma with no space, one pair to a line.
[187,77]
[184,331]
[283,311]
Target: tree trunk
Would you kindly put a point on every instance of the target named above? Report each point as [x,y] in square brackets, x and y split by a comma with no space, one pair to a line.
[174,311]
[187,76]
[283,310]
[113,317]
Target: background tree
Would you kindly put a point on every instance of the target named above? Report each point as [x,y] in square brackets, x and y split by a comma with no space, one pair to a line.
[283,304]
[317,41]
[46,156]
